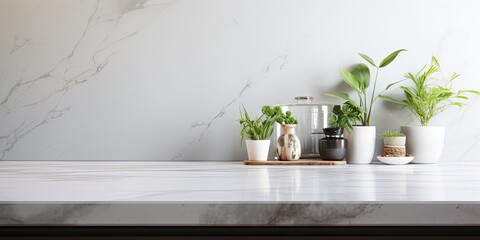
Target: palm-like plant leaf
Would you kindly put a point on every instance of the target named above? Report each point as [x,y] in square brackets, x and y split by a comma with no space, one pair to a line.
[425,99]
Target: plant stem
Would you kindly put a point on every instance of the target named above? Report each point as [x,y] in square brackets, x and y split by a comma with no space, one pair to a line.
[365,107]
[363,103]
[371,99]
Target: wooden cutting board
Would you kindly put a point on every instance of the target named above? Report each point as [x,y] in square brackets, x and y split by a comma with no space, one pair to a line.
[303,162]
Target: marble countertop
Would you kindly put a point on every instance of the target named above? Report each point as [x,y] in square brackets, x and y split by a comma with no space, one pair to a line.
[86,192]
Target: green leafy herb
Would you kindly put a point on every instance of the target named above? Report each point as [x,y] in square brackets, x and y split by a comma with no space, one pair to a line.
[425,98]
[359,80]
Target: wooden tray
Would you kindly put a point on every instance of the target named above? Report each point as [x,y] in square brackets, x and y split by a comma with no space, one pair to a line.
[302,162]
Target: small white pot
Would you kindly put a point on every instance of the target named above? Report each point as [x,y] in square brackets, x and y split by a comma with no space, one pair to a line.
[425,143]
[361,144]
[394,141]
[258,149]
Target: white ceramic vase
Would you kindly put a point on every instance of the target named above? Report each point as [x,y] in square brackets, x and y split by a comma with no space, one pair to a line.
[425,143]
[258,149]
[361,144]
[288,144]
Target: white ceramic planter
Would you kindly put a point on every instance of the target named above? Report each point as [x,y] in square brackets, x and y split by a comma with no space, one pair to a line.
[394,141]
[258,149]
[425,143]
[361,144]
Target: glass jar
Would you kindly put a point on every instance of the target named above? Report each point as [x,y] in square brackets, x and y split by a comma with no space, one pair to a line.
[312,119]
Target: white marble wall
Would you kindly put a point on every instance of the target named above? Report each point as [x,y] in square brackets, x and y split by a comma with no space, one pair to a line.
[163,79]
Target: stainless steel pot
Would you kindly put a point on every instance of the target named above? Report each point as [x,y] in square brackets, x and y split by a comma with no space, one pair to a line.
[312,119]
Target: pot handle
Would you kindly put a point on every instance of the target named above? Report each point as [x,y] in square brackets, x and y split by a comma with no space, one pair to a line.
[304,99]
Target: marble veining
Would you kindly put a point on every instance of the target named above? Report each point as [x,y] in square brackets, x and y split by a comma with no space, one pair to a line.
[228,193]
[289,214]
[102,32]
[164,79]
[277,63]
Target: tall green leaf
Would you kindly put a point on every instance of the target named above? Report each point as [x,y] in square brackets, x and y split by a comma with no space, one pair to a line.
[351,80]
[368,59]
[343,96]
[394,83]
[393,100]
[470,91]
[435,61]
[361,71]
[390,58]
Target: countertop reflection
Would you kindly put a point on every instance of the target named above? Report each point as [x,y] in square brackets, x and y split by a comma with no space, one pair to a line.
[209,181]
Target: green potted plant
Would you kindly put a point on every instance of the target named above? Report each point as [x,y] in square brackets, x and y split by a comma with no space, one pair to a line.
[427,97]
[258,131]
[361,138]
[333,146]
[288,144]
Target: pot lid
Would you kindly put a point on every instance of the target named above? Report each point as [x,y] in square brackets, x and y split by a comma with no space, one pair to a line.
[305,101]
